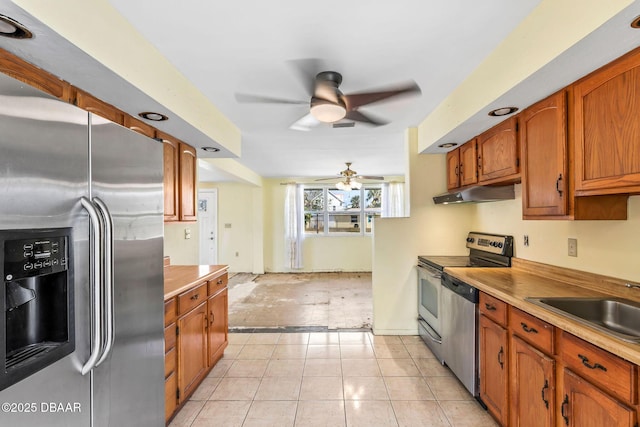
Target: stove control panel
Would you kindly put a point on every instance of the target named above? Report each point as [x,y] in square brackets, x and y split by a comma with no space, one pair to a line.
[494,243]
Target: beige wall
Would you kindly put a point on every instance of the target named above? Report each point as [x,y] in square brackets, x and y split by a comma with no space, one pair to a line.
[431,229]
[604,247]
[239,226]
[348,253]
[182,251]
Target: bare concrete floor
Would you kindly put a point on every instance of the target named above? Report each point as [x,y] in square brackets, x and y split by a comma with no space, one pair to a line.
[301,300]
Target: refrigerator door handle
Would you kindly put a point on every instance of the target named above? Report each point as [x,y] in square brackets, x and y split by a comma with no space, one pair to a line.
[108,284]
[97,228]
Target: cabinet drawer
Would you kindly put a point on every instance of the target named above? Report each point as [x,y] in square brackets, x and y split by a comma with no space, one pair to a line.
[217,284]
[191,299]
[170,396]
[169,337]
[613,374]
[493,308]
[170,312]
[170,362]
[531,329]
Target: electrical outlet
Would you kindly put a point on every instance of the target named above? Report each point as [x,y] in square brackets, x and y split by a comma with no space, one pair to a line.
[526,240]
[237,254]
[187,233]
[573,247]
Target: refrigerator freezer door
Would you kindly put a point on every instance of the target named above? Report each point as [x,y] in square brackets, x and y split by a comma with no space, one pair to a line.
[127,176]
[43,175]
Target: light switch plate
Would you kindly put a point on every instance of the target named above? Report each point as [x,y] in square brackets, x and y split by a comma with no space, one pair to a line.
[573,247]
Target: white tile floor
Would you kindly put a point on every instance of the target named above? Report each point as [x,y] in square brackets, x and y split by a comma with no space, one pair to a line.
[330,379]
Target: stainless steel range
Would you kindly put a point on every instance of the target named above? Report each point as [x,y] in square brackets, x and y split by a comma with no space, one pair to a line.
[447,307]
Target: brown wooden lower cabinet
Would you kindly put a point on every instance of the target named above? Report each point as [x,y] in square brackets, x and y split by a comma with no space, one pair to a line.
[494,368]
[532,381]
[585,405]
[192,354]
[196,334]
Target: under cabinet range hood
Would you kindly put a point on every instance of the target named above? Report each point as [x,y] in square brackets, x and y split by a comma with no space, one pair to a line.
[477,194]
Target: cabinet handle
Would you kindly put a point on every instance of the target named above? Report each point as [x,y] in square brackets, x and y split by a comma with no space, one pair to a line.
[194,297]
[479,162]
[461,169]
[219,282]
[212,317]
[528,329]
[565,403]
[545,387]
[500,355]
[489,307]
[558,184]
[585,362]
[456,171]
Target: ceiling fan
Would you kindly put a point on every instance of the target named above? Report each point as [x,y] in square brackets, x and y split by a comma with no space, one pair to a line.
[350,176]
[328,104]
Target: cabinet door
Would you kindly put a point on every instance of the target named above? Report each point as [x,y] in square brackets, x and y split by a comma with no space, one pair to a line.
[139,126]
[188,182]
[453,165]
[607,128]
[170,395]
[218,326]
[494,368]
[90,103]
[192,349]
[584,405]
[468,163]
[498,152]
[532,386]
[171,178]
[544,157]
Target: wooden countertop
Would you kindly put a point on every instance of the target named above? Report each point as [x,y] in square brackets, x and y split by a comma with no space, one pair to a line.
[513,285]
[179,278]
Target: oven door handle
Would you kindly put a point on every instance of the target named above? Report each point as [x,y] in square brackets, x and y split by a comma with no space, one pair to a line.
[431,271]
[433,336]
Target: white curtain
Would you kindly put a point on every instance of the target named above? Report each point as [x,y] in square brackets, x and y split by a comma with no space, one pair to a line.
[293,226]
[392,199]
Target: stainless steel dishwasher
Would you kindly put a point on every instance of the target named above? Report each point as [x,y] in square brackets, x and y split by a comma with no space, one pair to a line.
[460,330]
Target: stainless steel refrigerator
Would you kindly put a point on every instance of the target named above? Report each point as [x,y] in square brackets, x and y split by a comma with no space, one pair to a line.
[62,168]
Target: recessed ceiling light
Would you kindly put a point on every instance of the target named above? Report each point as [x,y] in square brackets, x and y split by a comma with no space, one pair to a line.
[636,22]
[155,117]
[504,111]
[448,145]
[13,29]
[211,149]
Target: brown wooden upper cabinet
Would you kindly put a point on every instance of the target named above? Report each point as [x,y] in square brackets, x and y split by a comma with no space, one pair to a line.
[498,154]
[139,126]
[543,136]
[88,102]
[462,166]
[21,70]
[180,182]
[606,128]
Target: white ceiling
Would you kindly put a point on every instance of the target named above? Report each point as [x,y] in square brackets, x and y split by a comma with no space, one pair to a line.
[247,46]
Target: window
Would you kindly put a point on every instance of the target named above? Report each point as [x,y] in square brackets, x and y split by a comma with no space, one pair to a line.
[331,211]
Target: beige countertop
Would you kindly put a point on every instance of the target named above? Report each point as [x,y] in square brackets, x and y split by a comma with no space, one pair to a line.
[179,278]
[513,285]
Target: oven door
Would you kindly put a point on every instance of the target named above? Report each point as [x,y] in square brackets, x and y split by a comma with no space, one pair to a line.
[429,297]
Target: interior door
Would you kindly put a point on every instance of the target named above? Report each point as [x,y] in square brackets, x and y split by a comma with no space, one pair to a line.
[208,220]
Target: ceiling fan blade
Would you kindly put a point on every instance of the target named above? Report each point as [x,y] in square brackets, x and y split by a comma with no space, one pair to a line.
[305,123]
[329,179]
[247,98]
[376,178]
[356,100]
[360,117]
[307,69]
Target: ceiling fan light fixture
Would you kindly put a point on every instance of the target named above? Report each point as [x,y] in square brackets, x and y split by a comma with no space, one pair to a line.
[327,111]
[342,186]
[355,184]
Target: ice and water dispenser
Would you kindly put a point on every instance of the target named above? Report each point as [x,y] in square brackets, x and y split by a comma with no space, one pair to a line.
[38,322]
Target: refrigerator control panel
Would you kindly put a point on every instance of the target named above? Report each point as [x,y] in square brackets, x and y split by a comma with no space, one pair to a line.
[34,256]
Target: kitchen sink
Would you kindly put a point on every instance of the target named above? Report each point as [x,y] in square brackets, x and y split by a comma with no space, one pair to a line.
[615,316]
